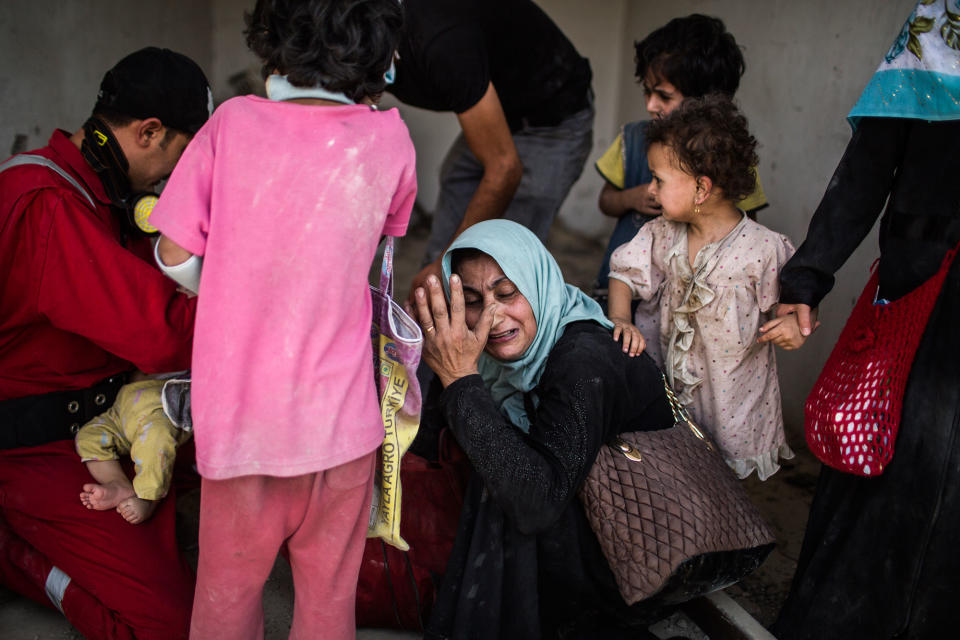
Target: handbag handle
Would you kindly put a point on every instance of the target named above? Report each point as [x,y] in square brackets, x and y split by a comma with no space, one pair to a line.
[680,413]
[386,267]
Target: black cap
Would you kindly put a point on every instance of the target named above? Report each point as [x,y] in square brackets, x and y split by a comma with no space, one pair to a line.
[158,83]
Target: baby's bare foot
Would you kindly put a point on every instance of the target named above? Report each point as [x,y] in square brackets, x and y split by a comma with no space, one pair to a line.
[136,510]
[104,496]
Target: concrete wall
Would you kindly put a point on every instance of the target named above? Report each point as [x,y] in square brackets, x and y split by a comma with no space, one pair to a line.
[55,53]
[231,57]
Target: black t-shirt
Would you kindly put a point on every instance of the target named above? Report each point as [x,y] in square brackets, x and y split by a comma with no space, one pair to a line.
[452,49]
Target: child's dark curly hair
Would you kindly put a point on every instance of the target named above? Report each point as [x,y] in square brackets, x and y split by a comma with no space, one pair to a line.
[709,137]
[696,54]
[342,45]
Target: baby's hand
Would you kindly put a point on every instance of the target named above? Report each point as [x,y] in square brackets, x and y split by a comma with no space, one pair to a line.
[633,342]
[783,332]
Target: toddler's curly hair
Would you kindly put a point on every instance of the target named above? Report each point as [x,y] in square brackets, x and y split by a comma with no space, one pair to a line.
[709,137]
[342,45]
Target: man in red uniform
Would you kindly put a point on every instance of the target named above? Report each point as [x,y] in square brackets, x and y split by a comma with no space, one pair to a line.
[81,306]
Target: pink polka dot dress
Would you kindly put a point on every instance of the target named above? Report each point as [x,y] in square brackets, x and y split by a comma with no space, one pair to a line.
[704,321]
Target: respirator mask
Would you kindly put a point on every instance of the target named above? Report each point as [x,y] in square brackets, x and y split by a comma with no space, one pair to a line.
[103,153]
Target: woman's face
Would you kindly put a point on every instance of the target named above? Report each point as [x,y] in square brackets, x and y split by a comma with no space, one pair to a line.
[514,325]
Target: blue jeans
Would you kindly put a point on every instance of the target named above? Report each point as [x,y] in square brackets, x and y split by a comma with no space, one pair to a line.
[552,157]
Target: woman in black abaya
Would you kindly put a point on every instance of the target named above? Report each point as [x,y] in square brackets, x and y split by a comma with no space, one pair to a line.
[879,557]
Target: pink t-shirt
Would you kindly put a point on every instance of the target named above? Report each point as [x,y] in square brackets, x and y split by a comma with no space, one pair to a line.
[286,203]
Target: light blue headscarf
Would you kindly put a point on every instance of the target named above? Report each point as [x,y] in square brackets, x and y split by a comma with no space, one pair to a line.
[920,75]
[528,264]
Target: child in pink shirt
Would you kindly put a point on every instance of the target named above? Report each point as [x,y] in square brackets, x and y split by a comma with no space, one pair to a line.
[286,199]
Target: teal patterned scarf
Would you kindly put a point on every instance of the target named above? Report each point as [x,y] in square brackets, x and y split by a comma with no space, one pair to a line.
[920,75]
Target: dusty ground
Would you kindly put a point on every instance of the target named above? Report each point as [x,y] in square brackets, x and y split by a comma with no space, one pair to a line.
[784,500]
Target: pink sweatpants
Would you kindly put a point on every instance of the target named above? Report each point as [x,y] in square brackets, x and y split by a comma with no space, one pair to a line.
[322,517]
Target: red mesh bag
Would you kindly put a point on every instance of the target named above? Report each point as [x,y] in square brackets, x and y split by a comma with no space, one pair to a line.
[853,411]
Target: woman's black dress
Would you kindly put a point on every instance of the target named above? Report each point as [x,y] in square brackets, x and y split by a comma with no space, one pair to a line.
[880,557]
[526,563]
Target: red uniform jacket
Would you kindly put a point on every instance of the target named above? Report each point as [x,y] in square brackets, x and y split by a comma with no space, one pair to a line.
[76,304]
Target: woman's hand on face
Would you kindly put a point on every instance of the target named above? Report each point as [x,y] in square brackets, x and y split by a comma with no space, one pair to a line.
[450,348]
[633,341]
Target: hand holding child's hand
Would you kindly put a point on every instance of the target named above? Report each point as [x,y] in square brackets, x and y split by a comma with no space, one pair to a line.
[784,332]
[633,341]
[806,316]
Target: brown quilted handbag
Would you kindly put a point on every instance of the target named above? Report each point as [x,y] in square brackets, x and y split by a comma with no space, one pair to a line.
[671,517]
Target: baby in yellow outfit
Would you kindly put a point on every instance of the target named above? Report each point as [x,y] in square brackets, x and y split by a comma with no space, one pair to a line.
[136,425]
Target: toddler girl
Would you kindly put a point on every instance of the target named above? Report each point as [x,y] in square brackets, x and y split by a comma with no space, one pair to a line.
[715,273]
[688,57]
[286,199]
